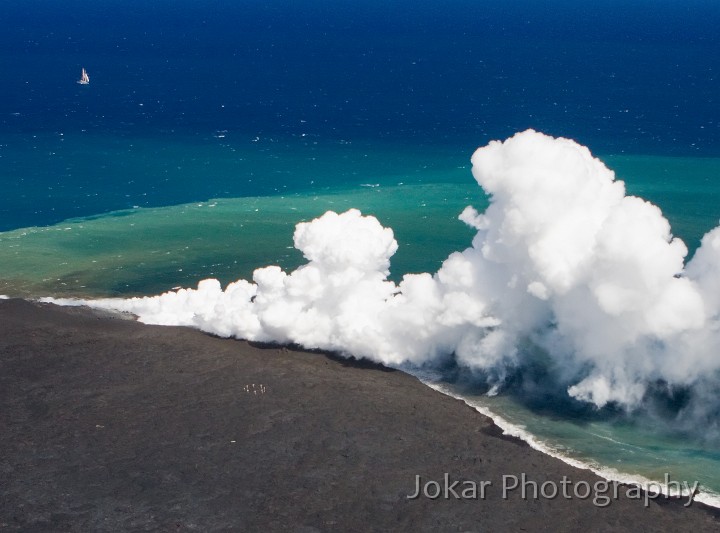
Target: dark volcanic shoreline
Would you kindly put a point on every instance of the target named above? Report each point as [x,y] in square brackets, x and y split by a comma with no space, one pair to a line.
[111,425]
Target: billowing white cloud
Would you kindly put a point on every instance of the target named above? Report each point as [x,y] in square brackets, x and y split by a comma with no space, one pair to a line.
[562,261]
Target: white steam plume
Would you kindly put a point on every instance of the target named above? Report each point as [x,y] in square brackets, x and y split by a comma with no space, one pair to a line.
[562,260]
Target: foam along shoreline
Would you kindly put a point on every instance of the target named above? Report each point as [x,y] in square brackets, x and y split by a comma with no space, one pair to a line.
[705,497]
[116,425]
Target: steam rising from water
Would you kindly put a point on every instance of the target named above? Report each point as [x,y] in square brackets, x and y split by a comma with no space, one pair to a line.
[563,264]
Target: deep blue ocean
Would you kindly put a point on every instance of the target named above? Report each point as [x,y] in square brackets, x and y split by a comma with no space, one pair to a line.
[638,77]
[209,128]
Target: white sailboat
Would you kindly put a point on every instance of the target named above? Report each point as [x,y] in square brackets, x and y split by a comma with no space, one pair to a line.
[84,79]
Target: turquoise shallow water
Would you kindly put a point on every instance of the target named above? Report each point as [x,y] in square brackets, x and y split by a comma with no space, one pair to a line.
[52,176]
[687,189]
[157,238]
[142,249]
[150,250]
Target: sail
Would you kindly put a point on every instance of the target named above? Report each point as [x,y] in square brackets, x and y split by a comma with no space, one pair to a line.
[84,78]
